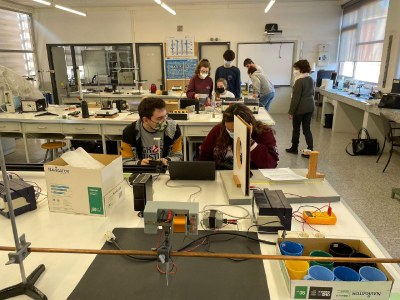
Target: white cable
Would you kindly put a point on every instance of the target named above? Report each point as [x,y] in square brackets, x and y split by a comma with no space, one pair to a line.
[185,186]
[247,216]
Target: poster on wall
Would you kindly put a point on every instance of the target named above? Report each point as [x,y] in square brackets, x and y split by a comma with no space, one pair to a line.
[180,68]
[178,47]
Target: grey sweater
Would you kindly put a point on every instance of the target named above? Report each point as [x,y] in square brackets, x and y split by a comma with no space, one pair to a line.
[261,84]
[302,97]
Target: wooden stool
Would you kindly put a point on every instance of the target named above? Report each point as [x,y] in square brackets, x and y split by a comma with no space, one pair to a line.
[52,146]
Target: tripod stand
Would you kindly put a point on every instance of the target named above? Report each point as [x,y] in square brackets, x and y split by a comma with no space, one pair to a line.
[27,286]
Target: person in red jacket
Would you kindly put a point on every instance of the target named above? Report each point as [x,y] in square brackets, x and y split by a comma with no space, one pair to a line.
[218,145]
[201,84]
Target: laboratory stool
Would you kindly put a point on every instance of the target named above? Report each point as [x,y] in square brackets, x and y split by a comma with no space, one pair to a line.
[395,192]
[53,148]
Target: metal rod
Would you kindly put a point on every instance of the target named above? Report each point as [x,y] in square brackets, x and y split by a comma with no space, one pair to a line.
[11,209]
[208,255]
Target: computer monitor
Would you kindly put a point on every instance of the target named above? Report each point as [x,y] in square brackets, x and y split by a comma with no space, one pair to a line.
[183,103]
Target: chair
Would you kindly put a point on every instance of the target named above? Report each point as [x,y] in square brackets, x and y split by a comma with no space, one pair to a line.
[390,128]
[52,147]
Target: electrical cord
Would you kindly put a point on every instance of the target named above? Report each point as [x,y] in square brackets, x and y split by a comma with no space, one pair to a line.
[247,216]
[142,258]
[185,186]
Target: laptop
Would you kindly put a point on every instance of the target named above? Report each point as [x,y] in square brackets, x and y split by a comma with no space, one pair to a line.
[192,170]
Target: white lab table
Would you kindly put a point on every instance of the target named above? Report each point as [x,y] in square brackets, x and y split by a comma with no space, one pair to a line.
[63,271]
[26,125]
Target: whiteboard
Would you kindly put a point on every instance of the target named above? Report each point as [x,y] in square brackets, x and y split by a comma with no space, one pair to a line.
[276,59]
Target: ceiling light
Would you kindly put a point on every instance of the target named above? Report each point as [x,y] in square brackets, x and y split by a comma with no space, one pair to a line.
[158,2]
[43,2]
[70,10]
[169,9]
[269,5]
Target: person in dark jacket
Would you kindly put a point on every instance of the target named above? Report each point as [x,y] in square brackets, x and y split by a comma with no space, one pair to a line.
[218,145]
[230,73]
[302,106]
[152,137]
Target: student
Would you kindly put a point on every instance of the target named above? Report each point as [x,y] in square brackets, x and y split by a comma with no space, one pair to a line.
[302,106]
[247,63]
[218,145]
[221,90]
[201,82]
[230,73]
[262,87]
[140,142]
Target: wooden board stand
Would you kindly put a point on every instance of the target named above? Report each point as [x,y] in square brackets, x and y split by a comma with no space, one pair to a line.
[313,166]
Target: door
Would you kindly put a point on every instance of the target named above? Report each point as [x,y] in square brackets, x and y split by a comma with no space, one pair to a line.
[150,60]
[60,73]
[213,52]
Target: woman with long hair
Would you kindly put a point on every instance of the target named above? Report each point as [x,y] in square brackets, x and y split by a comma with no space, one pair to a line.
[218,145]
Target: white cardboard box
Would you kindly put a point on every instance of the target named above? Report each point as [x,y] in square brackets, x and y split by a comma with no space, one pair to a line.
[318,289]
[85,191]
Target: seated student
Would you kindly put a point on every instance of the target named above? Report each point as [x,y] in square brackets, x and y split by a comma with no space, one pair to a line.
[218,145]
[230,73]
[140,142]
[222,91]
[201,83]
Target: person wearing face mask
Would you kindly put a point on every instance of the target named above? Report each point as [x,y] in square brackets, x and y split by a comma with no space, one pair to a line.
[152,137]
[262,87]
[221,90]
[302,106]
[230,73]
[201,83]
[218,145]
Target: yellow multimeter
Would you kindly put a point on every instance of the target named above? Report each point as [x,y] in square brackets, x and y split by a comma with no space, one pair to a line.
[319,217]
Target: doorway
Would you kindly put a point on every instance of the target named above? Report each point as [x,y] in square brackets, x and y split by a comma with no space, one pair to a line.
[150,60]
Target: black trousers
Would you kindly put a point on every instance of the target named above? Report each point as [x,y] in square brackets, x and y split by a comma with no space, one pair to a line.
[305,121]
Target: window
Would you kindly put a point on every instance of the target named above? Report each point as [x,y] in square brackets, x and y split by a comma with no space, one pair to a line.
[361,39]
[16,43]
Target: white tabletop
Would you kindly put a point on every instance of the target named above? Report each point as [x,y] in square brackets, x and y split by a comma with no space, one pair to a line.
[63,271]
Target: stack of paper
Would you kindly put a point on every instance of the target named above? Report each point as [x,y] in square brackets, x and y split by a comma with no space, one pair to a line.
[281,174]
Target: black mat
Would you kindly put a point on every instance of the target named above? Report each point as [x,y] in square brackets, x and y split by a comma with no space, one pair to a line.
[119,277]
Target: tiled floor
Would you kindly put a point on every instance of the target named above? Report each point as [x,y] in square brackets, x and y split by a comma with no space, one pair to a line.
[359,180]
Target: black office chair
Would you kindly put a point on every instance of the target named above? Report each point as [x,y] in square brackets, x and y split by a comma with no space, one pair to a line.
[390,128]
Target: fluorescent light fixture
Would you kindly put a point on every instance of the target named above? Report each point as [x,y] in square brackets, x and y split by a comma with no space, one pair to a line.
[269,5]
[167,8]
[42,2]
[70,10]
[158,2]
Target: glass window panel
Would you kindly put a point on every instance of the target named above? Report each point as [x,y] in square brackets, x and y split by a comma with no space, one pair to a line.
[350,18]
[347,49]
[346,68]
[370,52]
[367,71]
[15,33]
[16,62]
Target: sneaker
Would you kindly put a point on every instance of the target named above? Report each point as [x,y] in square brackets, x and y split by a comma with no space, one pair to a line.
[292,150]
[306,153]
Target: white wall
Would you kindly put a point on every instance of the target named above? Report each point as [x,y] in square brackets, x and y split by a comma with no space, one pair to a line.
[307,23]
[392,28]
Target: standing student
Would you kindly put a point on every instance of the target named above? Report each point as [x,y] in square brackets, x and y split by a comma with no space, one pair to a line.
[218,145]
[302,106]
[201,82]
[230,73]
[262,87]
[248,62]
[152,137]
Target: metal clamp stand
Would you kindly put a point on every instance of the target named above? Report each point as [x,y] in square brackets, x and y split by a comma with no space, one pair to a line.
[164,253]
[27,286]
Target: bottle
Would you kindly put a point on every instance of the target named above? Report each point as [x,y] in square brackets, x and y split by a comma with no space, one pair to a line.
[85,109]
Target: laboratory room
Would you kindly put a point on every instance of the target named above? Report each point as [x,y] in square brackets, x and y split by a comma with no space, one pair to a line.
[176,149]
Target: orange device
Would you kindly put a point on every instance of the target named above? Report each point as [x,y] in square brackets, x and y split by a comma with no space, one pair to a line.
[319,217]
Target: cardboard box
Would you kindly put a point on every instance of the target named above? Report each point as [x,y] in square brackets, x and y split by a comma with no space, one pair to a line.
[85,191]
[317,289]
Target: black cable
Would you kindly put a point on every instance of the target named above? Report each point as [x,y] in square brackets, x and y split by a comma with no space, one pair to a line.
[113,242]
[226,233]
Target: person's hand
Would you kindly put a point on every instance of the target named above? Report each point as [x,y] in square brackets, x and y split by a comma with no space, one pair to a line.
[254,95]
[164,161]
[208,102]
[290,117]
[145,162]
[196,96]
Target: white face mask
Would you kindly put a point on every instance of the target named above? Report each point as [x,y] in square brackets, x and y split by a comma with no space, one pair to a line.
[296,73]
[227,63]
[231,134]
[203,75]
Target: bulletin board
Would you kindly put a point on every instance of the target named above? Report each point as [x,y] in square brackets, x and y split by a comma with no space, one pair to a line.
[276,59]
[178,69]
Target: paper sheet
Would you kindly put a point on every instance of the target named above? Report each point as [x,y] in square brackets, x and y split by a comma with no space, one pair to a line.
[281,174]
